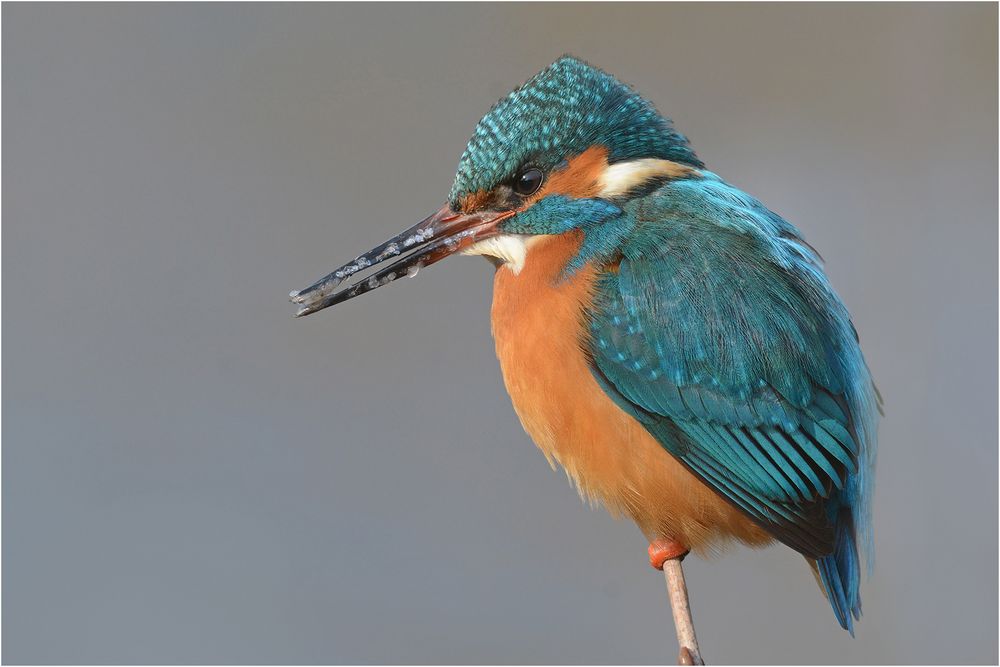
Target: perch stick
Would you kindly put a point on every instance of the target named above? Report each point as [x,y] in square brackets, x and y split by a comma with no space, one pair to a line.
[690,654]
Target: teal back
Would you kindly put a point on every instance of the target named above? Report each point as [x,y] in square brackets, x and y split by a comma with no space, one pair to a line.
[720,333]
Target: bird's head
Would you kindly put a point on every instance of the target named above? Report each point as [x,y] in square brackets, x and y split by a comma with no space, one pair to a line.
[562,152]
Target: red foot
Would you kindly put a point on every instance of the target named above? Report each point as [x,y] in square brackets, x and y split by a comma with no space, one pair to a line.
[661,550]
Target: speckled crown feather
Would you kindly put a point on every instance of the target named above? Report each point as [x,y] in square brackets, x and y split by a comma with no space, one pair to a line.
[560,112]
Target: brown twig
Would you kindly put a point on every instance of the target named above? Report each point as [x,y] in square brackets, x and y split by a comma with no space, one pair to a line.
[690,654]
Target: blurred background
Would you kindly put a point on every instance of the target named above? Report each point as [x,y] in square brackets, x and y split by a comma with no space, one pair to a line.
[191,475]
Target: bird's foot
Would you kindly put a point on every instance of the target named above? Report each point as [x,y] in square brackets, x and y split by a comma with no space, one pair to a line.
[661,550]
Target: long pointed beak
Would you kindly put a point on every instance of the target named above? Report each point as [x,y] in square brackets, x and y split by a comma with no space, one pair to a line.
[428,242]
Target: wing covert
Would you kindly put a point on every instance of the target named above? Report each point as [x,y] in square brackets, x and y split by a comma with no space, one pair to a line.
[717,331]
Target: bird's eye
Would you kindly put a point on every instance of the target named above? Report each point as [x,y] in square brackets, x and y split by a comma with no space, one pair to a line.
[528,181]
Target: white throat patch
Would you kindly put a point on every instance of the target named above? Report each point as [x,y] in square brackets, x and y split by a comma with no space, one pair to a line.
[511,249]
[618,179]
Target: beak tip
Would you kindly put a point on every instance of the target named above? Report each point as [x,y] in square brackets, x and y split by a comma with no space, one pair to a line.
[296,297]
[411,250]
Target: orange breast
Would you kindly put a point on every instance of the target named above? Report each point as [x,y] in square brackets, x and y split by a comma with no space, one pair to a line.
[538,328]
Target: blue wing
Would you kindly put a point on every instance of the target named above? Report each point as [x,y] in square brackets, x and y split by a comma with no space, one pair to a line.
[718,331]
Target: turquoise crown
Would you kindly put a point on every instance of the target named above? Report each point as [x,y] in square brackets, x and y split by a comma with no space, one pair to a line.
[560,112]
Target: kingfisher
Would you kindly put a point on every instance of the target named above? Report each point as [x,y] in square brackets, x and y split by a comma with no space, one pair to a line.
[667,339]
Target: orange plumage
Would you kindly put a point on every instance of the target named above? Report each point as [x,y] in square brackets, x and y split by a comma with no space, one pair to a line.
[537,325]
[723,395]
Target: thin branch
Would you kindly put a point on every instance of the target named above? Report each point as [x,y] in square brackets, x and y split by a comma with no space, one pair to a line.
[690,654]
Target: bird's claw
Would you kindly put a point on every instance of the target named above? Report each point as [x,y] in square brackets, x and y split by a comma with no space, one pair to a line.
[661,550]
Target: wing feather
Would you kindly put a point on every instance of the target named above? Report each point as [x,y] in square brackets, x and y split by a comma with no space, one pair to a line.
[716,329]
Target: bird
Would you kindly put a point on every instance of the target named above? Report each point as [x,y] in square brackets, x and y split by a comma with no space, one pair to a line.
[668,340]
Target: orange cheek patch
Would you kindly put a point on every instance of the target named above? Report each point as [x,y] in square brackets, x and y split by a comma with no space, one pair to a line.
[579,179]
[474,201]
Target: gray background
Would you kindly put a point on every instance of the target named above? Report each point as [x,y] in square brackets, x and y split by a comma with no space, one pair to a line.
[189,474]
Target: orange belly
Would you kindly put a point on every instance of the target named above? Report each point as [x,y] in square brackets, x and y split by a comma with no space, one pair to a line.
[538,329]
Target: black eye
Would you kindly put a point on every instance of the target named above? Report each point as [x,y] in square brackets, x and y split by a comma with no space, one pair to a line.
[528,181]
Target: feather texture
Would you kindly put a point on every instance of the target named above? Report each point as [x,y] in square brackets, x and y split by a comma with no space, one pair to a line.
[560,112]
[717,329]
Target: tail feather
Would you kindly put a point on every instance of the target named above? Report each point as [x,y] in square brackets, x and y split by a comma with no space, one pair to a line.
[840,573]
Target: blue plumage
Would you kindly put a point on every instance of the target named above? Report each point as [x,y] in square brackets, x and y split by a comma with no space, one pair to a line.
[712,322]
[566,108]
[718,331]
